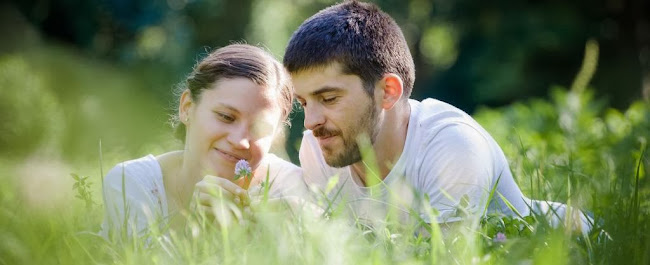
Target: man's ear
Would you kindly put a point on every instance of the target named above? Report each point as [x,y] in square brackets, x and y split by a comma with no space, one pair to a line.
[185,106]
[392,87]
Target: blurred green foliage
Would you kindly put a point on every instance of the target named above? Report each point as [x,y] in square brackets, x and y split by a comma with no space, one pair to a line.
[575,149]
[31,112]
[74,73]
[467,53]
[58,104]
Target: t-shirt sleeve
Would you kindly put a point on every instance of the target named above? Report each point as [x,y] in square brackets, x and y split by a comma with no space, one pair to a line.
[456,171]
[129,200]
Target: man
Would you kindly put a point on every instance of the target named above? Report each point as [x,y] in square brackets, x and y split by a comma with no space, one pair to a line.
[353,74]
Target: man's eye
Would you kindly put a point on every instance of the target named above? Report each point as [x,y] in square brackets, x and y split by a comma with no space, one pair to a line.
[330,99]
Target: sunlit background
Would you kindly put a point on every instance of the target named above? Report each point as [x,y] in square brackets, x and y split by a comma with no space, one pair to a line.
[76,71]
[563,87]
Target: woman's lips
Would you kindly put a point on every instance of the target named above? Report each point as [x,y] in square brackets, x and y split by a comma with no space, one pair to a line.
[228,156]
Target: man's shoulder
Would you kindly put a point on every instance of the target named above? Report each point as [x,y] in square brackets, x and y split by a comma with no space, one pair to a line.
[278,165]
[441,126]
[431,116]
[444,131]
[432,111]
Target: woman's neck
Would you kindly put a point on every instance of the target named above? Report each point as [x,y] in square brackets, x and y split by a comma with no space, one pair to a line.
[179,181]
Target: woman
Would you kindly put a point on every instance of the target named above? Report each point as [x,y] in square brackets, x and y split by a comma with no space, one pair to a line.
[231,107]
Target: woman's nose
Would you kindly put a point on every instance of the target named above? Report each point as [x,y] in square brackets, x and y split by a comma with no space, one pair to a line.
[239,138]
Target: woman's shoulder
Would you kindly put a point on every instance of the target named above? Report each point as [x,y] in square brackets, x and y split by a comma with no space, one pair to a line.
[143,171]
[170,162]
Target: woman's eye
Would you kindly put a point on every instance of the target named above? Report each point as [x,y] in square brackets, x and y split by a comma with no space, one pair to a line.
[225,117]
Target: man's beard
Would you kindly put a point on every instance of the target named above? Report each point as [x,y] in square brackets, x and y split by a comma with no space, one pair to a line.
[350,153]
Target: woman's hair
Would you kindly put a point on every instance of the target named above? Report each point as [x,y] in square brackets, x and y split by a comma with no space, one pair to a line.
[236,61]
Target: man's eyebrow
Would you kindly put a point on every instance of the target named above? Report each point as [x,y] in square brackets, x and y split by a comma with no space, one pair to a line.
[325,90]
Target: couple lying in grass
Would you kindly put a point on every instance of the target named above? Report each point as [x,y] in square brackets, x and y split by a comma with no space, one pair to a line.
[350,68]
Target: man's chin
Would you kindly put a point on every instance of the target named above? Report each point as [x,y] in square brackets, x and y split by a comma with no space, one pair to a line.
[330,160]
[335,165]
[339,161]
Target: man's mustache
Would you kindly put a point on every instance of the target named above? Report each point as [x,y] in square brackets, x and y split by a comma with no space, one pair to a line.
[323,132]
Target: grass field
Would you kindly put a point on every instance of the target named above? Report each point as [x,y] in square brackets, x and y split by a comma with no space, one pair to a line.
[570,148]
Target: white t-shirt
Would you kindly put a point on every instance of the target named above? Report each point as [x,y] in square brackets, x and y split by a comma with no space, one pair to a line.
[146,200]
[447,156]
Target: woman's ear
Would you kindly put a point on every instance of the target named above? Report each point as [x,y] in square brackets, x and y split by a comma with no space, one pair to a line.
[392,88]
[185,107]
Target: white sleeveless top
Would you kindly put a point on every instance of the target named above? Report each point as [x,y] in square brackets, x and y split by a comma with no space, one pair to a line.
[140,181]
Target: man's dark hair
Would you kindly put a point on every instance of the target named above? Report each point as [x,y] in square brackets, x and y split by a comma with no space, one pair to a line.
[364,40]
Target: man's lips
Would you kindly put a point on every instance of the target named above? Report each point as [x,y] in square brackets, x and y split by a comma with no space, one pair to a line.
[326,139]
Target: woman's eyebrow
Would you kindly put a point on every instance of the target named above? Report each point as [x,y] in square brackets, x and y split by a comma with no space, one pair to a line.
[224,105]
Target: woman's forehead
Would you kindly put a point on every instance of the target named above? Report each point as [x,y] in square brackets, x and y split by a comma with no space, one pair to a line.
[242,95]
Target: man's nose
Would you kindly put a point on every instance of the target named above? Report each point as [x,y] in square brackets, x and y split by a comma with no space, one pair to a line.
[314,117]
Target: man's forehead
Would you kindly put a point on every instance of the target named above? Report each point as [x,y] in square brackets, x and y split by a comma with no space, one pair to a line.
[332,68]
[323,79]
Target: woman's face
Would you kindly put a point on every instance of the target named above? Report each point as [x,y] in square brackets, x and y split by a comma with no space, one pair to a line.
[234,119]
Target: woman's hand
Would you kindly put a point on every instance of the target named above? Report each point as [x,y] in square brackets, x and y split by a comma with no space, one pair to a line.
[220,200]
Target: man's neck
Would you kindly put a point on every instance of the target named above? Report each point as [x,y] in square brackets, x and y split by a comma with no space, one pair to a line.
[388,145]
